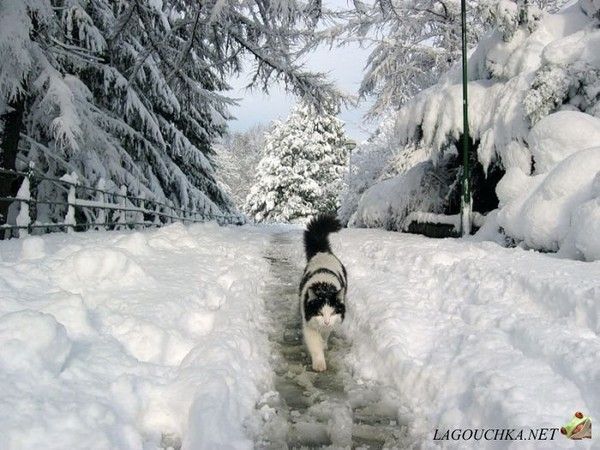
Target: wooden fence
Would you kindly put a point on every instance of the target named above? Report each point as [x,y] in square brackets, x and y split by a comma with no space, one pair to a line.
[93,208]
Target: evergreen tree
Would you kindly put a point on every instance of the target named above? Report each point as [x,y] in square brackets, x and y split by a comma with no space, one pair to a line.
[303,167]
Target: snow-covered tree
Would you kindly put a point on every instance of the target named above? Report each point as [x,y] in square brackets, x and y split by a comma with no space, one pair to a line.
[415,41]
[303,167]
[237,157]
[128,90]
[531,82]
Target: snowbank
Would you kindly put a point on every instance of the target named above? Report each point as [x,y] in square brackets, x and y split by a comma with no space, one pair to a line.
[544,216]
[473,334]
[132,340]
[559,135]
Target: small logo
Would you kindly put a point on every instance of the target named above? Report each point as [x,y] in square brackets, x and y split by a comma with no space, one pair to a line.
[579,427]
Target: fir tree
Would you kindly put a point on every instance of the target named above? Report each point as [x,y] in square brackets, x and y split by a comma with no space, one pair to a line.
[303,167]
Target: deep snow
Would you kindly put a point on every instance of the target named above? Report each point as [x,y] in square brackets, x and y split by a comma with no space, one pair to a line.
[122,340]
[144,340]
[472,334]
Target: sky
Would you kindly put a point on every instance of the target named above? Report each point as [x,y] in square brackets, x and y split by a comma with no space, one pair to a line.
[344,66]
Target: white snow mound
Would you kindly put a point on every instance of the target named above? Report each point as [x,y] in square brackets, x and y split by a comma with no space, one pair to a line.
[31,341]
[544,216]
[561,134]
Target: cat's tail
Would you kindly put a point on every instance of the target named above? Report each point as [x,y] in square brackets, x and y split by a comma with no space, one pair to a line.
[316,235]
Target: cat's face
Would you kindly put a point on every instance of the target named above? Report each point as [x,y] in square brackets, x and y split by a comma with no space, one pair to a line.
[324,308]
[328,316]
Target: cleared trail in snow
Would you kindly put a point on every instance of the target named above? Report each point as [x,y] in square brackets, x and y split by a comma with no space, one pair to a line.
[309,409]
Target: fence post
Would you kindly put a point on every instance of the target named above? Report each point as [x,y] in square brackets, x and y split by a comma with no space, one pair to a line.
[157,215]
[119,215]
[139,216]
[100,221]
[23,219]
[32,195]
[73,180]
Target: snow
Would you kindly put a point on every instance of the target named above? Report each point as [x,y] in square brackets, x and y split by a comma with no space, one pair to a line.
[124,340]
[561,134]
[31,341]
[472,334]
[131,340]
[543,215]
[32,247]
[534,114]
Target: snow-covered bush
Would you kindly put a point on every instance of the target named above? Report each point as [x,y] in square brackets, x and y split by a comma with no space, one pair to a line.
[301,173]
[388,203]
[375,160]
[554,207]
[557,210]
[517,81]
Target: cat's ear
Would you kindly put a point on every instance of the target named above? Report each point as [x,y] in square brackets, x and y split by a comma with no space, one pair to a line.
[311,294]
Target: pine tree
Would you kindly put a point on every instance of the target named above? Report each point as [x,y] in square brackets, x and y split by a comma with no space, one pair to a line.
[303,167]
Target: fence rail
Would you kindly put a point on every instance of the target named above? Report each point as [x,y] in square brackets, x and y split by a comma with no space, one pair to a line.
[125,211]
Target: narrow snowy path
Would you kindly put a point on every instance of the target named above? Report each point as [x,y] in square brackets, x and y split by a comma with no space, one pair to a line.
[312,409]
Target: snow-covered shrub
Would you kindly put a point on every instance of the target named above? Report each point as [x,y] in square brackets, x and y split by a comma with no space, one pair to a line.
[555,210]
[559,135]
[515,84]
[387,204]
[508,16]
[301,173]
[548,92]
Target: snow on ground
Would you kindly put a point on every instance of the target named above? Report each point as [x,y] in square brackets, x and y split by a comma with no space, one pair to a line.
[122,340]
[473,334]
[129,340]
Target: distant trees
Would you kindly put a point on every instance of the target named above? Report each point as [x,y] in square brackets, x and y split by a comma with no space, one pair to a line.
[301,172]
[237,158]
[129,90]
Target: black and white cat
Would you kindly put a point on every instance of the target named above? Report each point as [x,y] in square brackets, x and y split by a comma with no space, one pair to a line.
[322,289]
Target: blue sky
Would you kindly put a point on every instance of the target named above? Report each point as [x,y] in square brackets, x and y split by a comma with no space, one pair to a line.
[344,65]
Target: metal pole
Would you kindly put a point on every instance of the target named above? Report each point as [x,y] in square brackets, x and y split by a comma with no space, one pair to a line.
[466,199]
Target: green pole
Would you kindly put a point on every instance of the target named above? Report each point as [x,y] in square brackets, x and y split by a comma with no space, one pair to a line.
[466,200]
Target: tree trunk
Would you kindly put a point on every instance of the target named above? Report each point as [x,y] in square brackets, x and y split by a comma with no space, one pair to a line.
[13,122]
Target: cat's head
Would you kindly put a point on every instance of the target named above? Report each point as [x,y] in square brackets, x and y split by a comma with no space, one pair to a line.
[324,305]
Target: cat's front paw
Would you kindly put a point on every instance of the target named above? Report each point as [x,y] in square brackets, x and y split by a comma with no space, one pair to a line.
[319,365]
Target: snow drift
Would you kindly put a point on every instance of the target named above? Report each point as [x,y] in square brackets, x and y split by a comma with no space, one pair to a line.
[127,340]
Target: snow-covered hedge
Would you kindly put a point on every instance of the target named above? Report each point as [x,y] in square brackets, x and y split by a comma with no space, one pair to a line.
[534,90]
